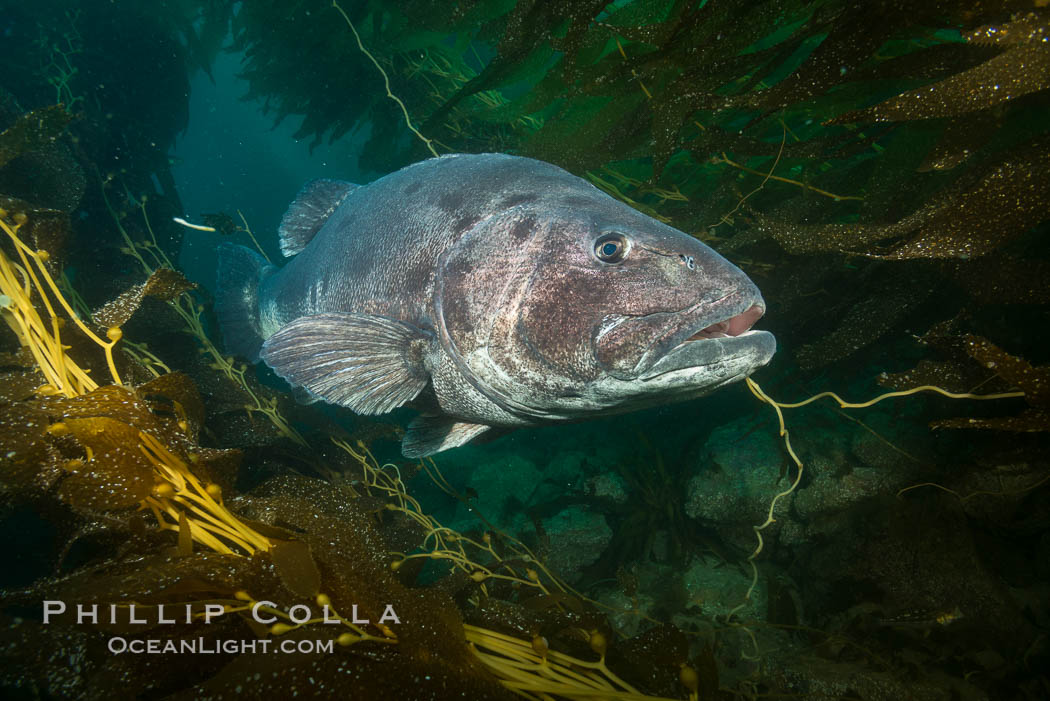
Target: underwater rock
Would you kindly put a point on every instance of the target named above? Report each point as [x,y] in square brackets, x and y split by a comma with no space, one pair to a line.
[739,478]
[826,496]
[714,590]
[566,468]
[608,486]
[627,613]
[577,538]
[562,473]
[814,677]
[916,569]
[867,468]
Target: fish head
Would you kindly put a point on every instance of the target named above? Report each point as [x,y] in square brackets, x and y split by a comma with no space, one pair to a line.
[555,313]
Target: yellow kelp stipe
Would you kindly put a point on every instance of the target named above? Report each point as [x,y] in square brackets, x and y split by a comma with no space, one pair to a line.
[179,500]
[20,283]
[532,670]
[180,495]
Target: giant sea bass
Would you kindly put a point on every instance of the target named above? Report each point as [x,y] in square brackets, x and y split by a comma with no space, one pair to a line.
[488,291]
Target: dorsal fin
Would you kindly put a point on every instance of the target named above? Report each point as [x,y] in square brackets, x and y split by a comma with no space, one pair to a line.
[308,213]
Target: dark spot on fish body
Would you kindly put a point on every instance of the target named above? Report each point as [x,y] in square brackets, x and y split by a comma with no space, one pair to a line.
[515,200]
[522,230]
[451,202]
[464,224]
[412,188]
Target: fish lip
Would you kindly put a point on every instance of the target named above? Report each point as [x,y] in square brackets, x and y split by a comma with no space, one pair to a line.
[747,352]
[711,333]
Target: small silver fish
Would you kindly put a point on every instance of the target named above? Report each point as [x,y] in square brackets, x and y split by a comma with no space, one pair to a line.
[488,290]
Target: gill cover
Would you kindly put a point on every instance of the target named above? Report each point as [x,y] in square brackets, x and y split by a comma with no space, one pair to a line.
[481,283]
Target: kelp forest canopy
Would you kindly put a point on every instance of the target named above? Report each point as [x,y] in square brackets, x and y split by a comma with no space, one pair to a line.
[880,169]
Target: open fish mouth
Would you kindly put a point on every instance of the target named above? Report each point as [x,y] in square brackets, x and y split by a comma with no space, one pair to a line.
[734,326]
[721,340]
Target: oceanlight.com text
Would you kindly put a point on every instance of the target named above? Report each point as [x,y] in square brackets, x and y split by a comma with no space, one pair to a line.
[199,646]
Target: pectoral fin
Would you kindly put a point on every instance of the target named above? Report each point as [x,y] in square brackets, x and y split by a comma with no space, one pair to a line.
[371,364]
[429,433]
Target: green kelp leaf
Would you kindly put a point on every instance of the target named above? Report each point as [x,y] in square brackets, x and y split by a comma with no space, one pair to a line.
[1030,421]
[175,395]
[855,34]
[641,13]
[163,283]
[1033,381]
[668,118]
[1012,74]
[296,567]
[588,135]
[1004,280]
[531,29]
[32,131]
[960,140]
[966,222]
[651,22]
[527,69]
[206,36]
[115,474]
[865,322]
[25,451]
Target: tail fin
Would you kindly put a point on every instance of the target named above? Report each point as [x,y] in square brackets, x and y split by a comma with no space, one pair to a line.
[241,271]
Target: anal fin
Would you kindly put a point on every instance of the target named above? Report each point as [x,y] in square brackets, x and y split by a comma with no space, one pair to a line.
[431,433]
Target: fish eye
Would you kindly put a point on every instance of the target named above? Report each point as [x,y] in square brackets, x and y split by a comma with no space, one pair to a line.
[611,247]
